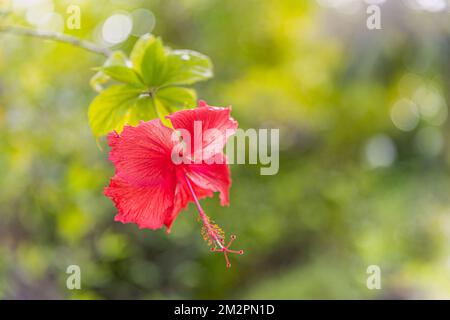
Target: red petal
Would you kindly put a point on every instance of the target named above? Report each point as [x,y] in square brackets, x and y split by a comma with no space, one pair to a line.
[205,180]
[144,184]
[147,206]
[215,126]
[183,196]
[142,154]
[202,103]
[214,177]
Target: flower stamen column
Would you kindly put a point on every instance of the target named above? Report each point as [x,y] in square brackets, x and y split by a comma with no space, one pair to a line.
[212,231]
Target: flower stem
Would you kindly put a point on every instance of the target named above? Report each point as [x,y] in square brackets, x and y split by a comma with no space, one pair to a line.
[60,37]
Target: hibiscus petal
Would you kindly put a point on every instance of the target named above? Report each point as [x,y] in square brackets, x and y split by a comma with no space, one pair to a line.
[143,187]
[148,207]
[183,196]
[142,154]
[209,128]
[202,103]
[214,177]
[205,180]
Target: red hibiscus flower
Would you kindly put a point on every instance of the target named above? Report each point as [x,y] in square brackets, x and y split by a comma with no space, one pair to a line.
[159,170]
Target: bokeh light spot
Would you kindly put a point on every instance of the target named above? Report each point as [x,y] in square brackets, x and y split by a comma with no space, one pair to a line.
[405,114]
[431,105]
[143,22]
[380,151]
[117,28]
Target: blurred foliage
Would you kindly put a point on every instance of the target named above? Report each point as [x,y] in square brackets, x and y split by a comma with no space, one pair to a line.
[364,157]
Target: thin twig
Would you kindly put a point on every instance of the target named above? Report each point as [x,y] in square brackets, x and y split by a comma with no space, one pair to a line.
[89,46]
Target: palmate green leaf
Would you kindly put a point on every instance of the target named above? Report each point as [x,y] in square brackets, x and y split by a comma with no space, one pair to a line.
[187,67]
[117,58]
[171,99]
[161,66]
[123,74]
[123,104]
[162,111]
[154,64]
[98,80]
[176,98]
[149,85]
[119,105]
[137,54]
[149,59]
[143,110]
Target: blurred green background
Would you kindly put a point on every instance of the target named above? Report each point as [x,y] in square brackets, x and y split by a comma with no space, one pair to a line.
[364,153]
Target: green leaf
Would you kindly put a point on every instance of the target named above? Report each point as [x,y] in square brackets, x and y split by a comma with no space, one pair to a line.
[143,110]
[170,99]
[176,98]
[111,109]
[98,80]
[153,64]
[161,66]
[154,69]
[117,58]
[162,112]
[123,74]
[187,67]
[138,51]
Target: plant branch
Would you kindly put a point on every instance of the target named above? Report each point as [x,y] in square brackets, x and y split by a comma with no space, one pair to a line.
[86,45]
